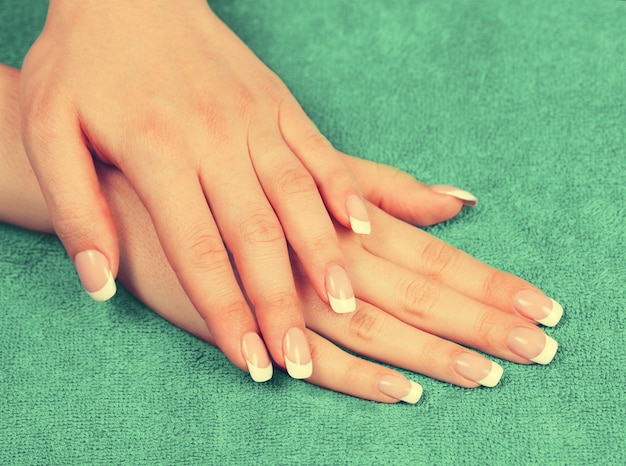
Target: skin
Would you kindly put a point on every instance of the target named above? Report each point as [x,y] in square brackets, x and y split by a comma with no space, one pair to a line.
[167,94]
[406,280]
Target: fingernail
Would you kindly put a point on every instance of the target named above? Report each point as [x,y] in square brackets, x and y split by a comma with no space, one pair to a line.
[468,198]
[257,359]
[400,388]
[359,219]
[532,344]
[297,354]
[95,275]
[538,306]
[339,290]
[478,369]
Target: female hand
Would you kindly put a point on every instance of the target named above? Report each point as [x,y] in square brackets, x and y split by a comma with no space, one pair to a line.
[214,145]
[415,288]
[422,303]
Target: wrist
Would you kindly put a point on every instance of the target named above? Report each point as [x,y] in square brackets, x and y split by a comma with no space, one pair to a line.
[117,12]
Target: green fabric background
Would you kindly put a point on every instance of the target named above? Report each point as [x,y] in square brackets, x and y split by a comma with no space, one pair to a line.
[522,103]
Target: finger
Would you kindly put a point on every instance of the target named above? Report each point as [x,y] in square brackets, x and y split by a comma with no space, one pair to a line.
[402,196]
[375,334]
[148,275]
[430,306]
[423,253]
[378,335]
[336,183]
[311,233]
[80,214]
[146,272]
[195,250]
[341,372]
[254,235]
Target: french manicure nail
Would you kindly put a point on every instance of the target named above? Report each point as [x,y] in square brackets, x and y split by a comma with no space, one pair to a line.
[400,388]
[339,290]
[359,218]
[478,369]
[532,344]
[257,359]
[468,198]
[95,274]
[538,306]
[297,354]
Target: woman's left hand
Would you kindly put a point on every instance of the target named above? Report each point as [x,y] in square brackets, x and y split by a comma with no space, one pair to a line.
[422,304]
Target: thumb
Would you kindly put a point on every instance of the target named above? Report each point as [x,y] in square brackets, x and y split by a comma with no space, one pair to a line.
[80,214]
[401,195]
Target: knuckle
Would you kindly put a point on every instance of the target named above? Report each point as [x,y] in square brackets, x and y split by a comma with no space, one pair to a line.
[418,297]
[260,227]
[244,100]
[487,326]
[495,287]
[206,251]
[314,141]
[294,181]
[365,325]
[439,257]
[339,178]
[231,311]
[352,372]
[430,353]
[274,89]
[318,244]
[73,223]
[280,303]
[212,120]
[154,129]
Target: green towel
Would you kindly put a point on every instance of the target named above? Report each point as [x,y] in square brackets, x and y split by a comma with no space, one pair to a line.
[522,103]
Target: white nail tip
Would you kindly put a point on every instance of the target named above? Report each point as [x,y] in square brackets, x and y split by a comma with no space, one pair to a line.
[106,292]
[415,394]
[494,376]
[342,306]
[299,371]
[547,355]
[554,316]
[468,198]
[260,374]
[360,227]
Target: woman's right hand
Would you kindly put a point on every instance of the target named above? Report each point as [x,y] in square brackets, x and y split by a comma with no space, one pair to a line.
[213,143]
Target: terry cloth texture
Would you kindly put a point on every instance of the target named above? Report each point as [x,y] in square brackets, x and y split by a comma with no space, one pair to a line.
[522,103]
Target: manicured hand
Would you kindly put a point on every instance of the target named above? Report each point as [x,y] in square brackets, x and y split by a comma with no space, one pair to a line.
[215,146]
[422,304]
